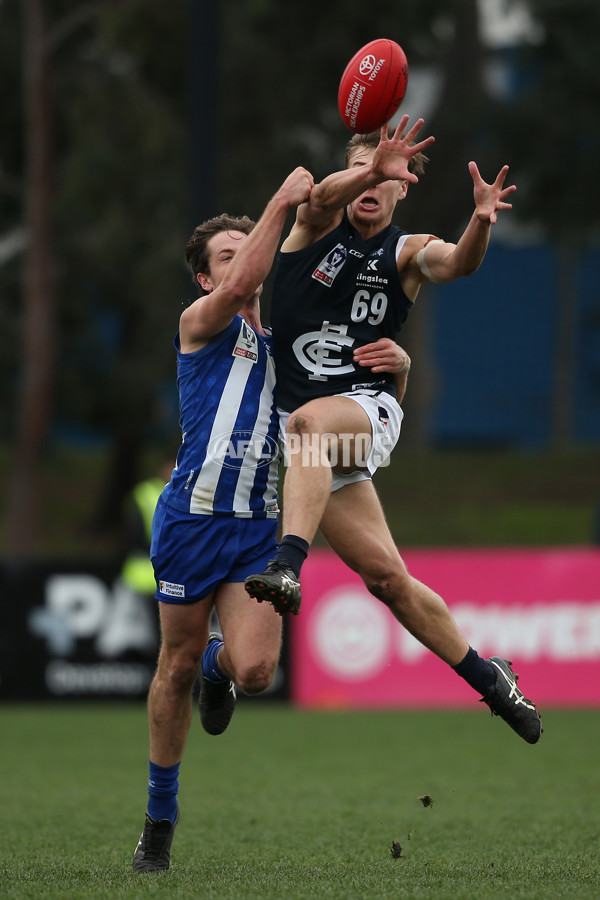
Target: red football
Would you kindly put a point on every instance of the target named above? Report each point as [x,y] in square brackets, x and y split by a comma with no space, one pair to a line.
[373,85]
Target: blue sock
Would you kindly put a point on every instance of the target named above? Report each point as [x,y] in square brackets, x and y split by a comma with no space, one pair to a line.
[210,666]
[163,785]
[477,672]
[293,550]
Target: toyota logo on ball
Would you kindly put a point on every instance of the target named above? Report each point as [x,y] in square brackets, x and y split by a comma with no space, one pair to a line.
[367,64]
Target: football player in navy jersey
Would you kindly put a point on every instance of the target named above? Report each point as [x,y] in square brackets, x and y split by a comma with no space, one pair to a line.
[346,276]
[217,519]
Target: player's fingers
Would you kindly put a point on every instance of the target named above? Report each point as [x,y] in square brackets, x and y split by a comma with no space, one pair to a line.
[501,176]
[366,348]
[372,359]
[422,145]
[400,127]
[473,169]
[414,130]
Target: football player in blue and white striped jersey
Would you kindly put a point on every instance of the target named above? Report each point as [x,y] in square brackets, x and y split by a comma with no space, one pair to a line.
[216,520]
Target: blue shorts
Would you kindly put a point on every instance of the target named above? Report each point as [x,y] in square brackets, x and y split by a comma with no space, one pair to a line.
[193,554]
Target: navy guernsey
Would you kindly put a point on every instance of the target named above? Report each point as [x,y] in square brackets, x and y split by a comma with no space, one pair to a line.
[328,298]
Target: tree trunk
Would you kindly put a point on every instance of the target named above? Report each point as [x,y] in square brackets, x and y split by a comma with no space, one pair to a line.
[38,338]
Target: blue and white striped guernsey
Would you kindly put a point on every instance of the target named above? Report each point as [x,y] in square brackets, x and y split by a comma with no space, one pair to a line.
[228,462]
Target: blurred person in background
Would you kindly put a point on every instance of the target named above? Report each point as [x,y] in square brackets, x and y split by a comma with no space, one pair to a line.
[137,571]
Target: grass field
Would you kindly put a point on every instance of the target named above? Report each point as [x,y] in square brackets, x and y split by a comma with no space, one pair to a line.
[291,804]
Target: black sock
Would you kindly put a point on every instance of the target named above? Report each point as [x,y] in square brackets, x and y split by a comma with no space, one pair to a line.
[293,550]
[477,672]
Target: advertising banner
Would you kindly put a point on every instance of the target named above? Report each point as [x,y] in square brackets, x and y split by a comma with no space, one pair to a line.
[76,631]
[539,608]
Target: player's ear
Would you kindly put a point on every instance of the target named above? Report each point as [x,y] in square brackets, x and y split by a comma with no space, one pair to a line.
[205,282]
[403,190]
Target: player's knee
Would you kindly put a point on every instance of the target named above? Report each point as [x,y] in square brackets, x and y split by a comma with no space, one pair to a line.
[180,670]
[301,423]
[388,581]
[254,679]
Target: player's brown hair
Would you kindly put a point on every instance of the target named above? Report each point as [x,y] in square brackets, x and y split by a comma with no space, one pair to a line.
[196,249]
[416,164]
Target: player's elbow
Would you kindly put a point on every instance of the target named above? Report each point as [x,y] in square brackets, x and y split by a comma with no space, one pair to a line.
[322,206]
[318,197]
[238,291]
[468,269]
[454,272]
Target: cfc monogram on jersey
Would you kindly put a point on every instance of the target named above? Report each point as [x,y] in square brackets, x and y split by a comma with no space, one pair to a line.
[319,352]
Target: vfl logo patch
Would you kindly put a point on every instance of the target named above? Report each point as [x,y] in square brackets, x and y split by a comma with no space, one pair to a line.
[246,345]
[171,590]
[330,265]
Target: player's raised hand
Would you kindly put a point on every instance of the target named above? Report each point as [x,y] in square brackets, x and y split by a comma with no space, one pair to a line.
[489,198]
[297,186]
[394,153]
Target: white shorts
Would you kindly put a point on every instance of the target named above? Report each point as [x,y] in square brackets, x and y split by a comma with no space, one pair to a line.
[385,416]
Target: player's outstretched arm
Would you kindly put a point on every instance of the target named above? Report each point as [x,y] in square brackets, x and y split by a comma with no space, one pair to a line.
[324,209]
[440,261]
[248,268]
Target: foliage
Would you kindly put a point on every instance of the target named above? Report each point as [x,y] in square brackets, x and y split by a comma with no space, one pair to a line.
[122,209]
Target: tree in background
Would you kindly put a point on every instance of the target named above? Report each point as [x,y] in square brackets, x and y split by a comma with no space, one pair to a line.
[39,287]
[112,112]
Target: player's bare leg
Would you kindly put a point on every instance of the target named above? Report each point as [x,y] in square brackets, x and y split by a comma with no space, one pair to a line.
[365,544]
[243,656]
[308,476]
[252,636]
[325,430]
[354,526]
[184,631]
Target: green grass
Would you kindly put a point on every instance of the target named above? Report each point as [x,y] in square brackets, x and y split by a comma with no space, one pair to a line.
[291,804]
